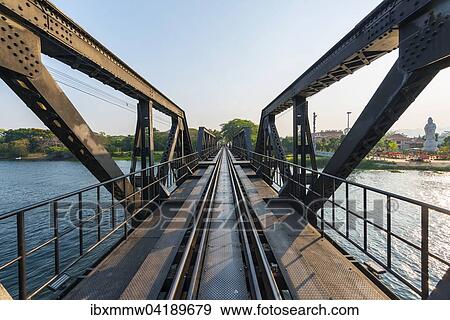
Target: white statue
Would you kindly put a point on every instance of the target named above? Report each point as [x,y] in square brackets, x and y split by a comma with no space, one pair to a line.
[430,144]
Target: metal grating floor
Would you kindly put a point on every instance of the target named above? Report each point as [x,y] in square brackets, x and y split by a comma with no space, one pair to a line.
[311,265]
[137,268]
[223,276]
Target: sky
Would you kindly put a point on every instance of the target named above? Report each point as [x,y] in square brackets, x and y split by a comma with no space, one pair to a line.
[220,60]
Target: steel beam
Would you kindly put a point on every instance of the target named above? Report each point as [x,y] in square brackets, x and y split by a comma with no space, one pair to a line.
[205,141]
[376,35]
[303,147]
[243,140]
[178,145]
[424,51]
[22,70]
[398,90]
[67,42]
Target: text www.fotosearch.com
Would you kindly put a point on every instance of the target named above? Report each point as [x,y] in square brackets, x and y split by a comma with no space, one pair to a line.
[207,309]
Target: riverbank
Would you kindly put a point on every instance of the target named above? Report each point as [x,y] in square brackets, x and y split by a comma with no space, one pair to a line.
[367,164]
[390,164]
[46,157]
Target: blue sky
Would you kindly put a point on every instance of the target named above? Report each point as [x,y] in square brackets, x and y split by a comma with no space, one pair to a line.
[221,60]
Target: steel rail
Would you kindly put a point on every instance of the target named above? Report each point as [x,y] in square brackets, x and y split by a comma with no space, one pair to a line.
[268,279]
[178,282]
[255,288]
[200,258]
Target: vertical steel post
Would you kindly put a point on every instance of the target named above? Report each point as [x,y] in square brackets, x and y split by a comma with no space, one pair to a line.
[365,217]
[99,216]
[424,253]
[300,111]
[21,250]
[56,236]
[80,221]
[347,213]
[389,232]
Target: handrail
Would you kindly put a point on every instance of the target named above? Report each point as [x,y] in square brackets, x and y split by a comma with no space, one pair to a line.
[274,170]
[177,169]
[356,184]
[91,187]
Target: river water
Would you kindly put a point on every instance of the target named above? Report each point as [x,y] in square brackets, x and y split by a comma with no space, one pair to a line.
[25,182]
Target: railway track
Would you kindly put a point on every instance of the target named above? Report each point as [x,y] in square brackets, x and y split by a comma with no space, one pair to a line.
[226,255]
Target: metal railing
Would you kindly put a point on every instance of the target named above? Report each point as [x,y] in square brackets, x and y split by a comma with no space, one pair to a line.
[356,214]
[208,152]
[88,229]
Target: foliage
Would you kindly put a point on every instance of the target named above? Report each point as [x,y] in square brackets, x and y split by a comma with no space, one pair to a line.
[386,145]
[14,149]
[57,152]
[22,142]
[329,145]
[232,127]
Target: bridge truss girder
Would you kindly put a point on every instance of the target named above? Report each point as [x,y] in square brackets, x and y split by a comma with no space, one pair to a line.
[424,51]
[268,143]
[420,30]
[243,140]
[22,70]
[29,29]
[206,142]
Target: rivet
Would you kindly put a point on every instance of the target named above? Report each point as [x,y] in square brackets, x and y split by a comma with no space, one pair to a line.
[41,106]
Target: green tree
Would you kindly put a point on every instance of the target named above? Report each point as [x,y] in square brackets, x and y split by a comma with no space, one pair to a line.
[232,127]
[18,148]
[287,143]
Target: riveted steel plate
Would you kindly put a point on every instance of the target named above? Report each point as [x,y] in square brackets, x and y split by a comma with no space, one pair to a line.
[20,49]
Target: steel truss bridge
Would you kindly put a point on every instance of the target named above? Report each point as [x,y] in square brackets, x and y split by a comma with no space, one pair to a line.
[224,222]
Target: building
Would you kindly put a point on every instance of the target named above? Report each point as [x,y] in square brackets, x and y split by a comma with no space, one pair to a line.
[406,143]
[328,134]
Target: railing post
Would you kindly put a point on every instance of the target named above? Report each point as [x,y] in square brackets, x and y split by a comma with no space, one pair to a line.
[113,208]
[99,216]
[80,221]
[389,231]
[365,218]
[322,222]
[424,252]
[22,254]
[125,209]
[347,213]
[333,209]
[56,236]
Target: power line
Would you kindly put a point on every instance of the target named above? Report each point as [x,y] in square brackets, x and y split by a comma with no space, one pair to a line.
[75,84]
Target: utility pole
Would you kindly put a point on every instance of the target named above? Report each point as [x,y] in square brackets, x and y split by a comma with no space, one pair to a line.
[348,119]
[314,130]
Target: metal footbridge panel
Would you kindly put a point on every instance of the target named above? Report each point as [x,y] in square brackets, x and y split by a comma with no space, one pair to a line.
[311,265]
[223,276]
[137,268]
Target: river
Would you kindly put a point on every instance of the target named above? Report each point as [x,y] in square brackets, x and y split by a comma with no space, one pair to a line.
[26,182]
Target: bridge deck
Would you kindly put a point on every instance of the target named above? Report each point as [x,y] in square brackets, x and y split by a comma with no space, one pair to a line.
[137,268]
[312,267]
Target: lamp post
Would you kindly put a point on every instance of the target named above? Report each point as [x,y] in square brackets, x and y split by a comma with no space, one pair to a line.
[348,120]
[314,130]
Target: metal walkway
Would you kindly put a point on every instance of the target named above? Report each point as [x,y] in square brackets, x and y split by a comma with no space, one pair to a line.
[312,266]
[144,265]
[223,276]
[137,268]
